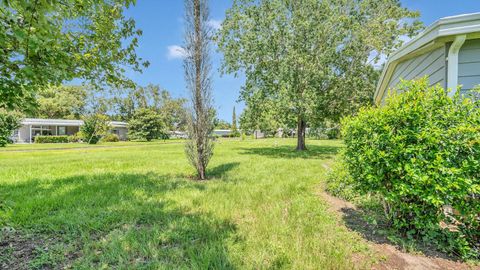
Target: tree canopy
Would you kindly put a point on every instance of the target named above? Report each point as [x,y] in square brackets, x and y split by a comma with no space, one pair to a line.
[310,59]
[146,124]
[9,121]
[221,124]
[172,110]
[94,127]
[62,102]
[48,42]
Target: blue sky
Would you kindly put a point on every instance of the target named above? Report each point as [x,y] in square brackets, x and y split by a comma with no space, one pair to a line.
[161,22]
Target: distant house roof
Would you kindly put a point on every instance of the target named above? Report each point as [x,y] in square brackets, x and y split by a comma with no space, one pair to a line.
[63,122]
[436,35]
[222,131]
[118,124]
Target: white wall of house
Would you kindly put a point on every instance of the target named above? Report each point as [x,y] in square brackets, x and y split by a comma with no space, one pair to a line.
[431,64]
[34,127]
[121,132]
[469,65]
[434,64]
[448,52]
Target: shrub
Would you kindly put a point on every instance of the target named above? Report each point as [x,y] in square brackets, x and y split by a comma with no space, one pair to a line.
[421,153]
[74,138]
[94,127]
[333,133]
[146,125]
[231,135]
[339,182]
[164,136]
[9,121]
[52,139]
[110,138]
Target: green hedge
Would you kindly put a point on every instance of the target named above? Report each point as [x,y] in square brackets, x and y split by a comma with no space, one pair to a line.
[339,182]
[75,138]
[110,138]
[421,153]
[333,133]
[51,139]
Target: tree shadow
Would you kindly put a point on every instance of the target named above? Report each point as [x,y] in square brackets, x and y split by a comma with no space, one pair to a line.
[221,170]
[372,226]
[284,151]
[102,214]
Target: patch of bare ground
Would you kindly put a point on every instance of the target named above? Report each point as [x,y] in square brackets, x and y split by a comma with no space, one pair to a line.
[389,256]
[20,251]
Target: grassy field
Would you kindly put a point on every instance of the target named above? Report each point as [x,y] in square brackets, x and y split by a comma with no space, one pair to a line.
[134,206]
[53,146]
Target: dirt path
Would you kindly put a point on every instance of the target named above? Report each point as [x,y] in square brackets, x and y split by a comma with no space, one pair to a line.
[392,257]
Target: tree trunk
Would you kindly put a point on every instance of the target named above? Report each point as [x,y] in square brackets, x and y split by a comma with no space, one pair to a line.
[201,173]
[301,127]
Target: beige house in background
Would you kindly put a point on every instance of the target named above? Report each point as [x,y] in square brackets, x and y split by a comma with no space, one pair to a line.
[448,52]
[31,127]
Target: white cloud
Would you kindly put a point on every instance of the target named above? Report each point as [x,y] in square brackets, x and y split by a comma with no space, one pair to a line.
[215,24]
[175,52]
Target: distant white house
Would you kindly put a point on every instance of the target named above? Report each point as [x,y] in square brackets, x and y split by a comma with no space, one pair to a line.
[31,127]
[184,135]
[178,134]
[448,52]
[222,132]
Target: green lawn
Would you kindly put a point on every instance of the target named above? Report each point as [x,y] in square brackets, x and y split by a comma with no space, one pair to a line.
[135,207]
[51,146]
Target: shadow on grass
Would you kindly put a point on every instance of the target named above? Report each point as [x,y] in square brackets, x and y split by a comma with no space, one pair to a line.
[119,220]
[284,151]
[221,170]
[379,232]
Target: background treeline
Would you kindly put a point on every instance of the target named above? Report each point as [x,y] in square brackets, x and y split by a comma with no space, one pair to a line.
[73,102]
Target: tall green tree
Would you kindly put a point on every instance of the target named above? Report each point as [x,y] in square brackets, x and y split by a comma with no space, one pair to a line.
[221,124]
[234,122]
[95,126]
[262,116]
[172,110]
[48,42]
[135,98]
[311,59]
[62,102]
[146,124]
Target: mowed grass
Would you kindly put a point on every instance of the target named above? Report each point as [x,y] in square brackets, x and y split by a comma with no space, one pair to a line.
[136,207]
[60,146]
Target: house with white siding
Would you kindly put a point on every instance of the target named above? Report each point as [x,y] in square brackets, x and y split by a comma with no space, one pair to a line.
[32,127]
[448,52]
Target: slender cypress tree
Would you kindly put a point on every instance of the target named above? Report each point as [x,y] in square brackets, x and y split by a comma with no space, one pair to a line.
[197,66]
[234,122]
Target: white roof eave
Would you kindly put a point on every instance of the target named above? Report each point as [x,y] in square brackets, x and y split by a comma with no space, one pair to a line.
[63,122]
